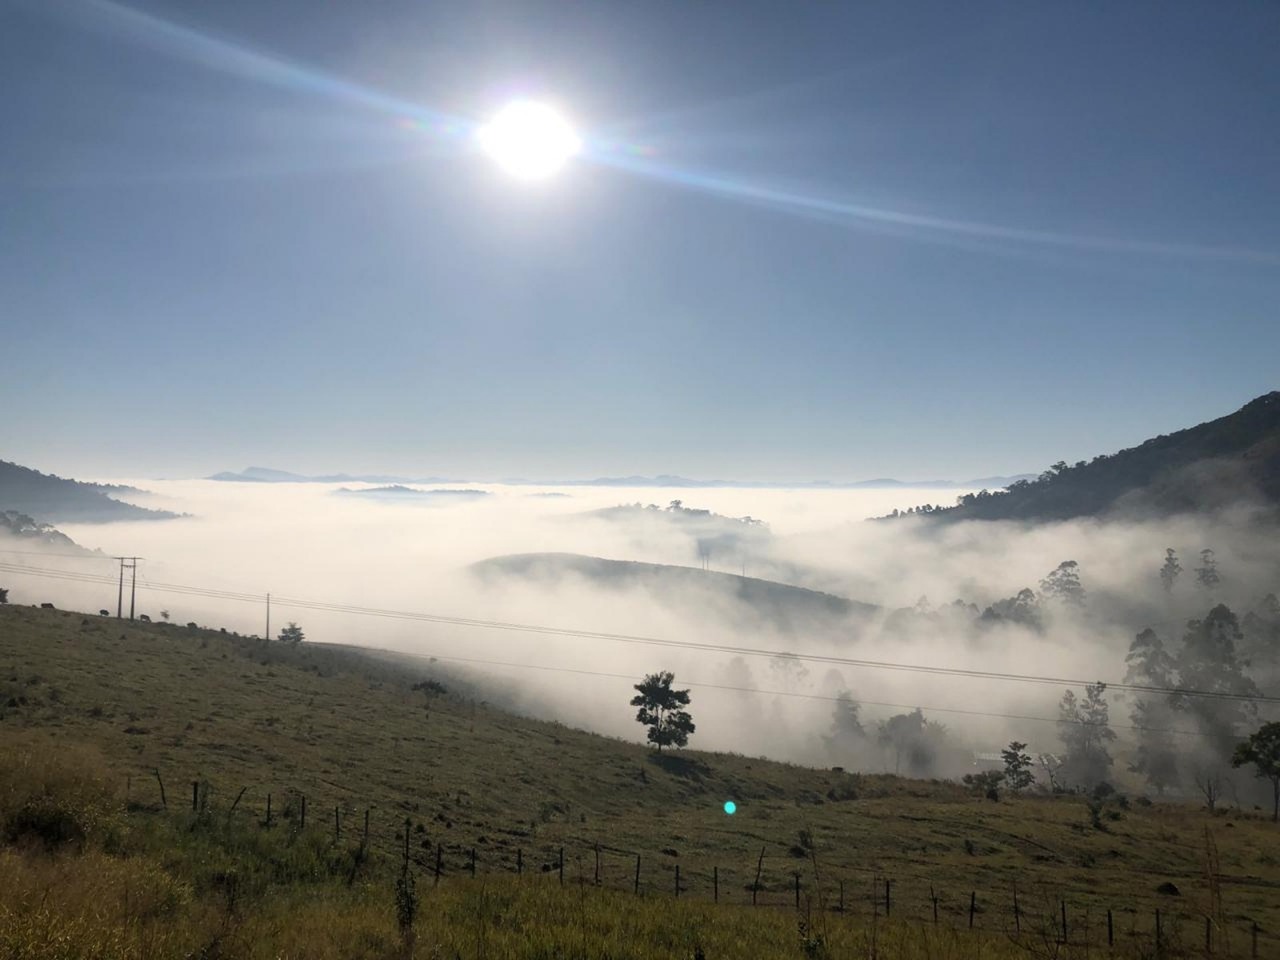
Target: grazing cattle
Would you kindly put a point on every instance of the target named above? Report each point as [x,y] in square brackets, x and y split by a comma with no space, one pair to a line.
[144,618]
[46,606]
[104,613]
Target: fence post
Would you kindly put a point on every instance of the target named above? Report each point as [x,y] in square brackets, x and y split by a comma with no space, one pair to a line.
[235,803]
[519,861]
[1017,912]
[934,897]
[597,881]
[888,884]
[302,824]
[842,896]
[163,802]
[406,844]
[337,825]
[973,905]
[268,809]
[637,886]
[1064,921]
[755,887]
[1111,933]
[439,861]
[195,795]
[797,891]
[365,841]
[677,880]
[562,866]
[473,861]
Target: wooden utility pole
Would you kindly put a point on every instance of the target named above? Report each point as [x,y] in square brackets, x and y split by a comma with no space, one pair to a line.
[131,564]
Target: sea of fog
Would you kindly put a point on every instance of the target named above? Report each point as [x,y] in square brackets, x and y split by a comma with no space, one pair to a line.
[310,542]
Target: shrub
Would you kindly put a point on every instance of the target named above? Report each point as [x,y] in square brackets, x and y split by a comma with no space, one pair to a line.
[52,793]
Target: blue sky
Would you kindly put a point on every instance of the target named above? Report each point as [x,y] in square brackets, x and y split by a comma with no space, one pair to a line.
[807,241]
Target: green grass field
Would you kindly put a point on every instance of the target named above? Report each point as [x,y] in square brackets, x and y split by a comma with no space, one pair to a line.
[93,708]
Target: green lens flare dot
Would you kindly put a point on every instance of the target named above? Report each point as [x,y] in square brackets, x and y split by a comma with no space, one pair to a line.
[730,807]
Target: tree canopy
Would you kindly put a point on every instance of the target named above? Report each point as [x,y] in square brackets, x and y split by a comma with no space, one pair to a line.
[292,633]
[661,710]
[1262,749]
[1084,726]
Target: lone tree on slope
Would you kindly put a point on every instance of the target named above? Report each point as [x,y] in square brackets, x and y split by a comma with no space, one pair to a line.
[1262,749]
[292,633]
[660,710]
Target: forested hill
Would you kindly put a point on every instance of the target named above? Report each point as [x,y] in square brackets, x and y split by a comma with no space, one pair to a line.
[18,526]
[51,499]
[1227,461]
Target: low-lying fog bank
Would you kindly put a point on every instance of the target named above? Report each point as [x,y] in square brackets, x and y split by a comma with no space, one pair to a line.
[415,551]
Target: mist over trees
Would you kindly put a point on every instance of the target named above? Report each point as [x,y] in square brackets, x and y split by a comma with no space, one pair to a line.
[1170,571]
[1063,585]
[1084,727]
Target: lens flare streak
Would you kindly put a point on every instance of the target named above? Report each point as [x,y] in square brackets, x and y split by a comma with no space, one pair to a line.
[237,60]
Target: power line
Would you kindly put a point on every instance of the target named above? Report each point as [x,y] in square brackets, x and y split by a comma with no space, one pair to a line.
[786,693]
[61,556]
[327,607]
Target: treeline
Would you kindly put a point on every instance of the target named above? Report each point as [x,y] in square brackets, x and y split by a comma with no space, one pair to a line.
[1205,677]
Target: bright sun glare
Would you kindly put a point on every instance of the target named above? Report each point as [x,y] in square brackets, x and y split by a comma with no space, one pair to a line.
[529,140]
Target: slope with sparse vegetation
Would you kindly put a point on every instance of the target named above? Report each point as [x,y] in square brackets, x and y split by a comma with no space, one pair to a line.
[95,714]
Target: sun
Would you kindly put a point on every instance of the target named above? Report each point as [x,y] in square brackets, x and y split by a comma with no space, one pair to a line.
[529,140]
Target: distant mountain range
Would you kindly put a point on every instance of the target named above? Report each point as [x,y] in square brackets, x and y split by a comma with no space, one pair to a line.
[400,493]
[267,475]
[50,499]
[1231,461]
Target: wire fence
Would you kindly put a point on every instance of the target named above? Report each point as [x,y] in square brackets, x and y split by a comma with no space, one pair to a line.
[1047,916]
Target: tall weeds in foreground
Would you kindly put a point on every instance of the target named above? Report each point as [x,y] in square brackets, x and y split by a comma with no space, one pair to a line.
[53,794]
[82,877]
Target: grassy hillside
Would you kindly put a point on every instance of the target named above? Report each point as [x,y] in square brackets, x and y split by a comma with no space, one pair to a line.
[348,730]
[1233,459]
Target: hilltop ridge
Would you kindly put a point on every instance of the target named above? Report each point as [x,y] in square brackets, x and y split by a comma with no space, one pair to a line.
[1215,465]
[52,499]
